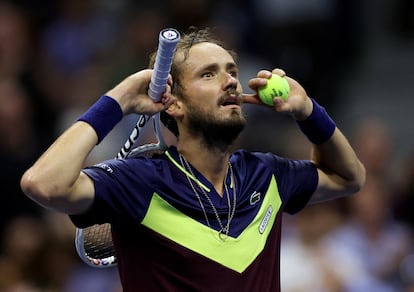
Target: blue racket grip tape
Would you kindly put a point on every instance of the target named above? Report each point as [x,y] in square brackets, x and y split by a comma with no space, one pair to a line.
[167,41]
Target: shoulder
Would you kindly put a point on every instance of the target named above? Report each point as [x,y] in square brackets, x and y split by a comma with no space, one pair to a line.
[276,162]
[242,155]
[135,167]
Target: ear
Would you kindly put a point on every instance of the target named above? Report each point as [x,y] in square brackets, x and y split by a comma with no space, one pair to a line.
[175,109]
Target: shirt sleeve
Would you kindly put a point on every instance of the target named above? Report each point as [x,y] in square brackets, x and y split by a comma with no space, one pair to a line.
[121,192]
[297,181]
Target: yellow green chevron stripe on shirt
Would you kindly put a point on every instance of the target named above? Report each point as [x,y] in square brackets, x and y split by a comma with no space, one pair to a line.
[234,253]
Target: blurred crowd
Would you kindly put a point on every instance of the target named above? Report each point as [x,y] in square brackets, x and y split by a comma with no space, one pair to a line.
[58,57]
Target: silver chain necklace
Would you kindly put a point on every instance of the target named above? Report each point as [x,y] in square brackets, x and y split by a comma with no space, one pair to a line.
[224,231]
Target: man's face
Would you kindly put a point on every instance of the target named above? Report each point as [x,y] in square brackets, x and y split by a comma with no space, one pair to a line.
[212,93]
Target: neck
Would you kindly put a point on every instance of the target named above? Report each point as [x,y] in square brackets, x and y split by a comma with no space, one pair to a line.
[212,163]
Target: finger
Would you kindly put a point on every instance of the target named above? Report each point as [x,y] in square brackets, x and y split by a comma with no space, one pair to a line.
[264,74]
[255,83]
[279,72]
[167,98]
[170,80]
[279,104]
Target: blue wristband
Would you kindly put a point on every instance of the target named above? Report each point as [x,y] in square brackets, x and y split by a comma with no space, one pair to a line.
[103,116]
[319,126]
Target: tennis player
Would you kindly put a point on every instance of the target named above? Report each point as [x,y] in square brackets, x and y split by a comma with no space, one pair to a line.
[202,216]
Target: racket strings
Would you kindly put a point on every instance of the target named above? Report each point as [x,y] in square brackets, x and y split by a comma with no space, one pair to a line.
[98,241]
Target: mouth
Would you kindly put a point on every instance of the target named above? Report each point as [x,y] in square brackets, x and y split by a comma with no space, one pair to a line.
[230,99]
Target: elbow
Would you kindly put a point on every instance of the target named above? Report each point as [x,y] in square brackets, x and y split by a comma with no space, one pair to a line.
[358,181]
[333,187]
[361,176]
[39,190]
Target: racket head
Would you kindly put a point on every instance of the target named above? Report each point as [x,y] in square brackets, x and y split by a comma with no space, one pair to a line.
[150,149]
[95,247]
[94,244]
[133,137]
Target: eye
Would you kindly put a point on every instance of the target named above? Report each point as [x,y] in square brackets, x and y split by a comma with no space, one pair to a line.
[234,73]
[207,75]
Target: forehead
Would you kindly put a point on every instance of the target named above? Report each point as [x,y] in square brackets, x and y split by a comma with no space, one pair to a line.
[203,54]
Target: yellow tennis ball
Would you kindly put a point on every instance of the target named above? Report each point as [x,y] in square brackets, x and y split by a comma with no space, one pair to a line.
[276,86]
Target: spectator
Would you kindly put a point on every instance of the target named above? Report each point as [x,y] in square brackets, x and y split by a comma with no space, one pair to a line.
[373,235]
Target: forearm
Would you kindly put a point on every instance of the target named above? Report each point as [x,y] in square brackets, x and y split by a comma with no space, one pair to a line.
[55,180]
[340,171]
[337,161]
[54,174]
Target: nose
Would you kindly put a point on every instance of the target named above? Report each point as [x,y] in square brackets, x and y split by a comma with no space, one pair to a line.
[230,82]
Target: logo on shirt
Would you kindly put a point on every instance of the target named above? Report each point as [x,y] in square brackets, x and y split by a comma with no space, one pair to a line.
[265,220]
[254,198]
[105,167]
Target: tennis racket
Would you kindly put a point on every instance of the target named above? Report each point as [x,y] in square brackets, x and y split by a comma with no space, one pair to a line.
[94,244]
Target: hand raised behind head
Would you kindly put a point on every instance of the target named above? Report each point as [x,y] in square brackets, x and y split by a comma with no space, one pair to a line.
[132,94]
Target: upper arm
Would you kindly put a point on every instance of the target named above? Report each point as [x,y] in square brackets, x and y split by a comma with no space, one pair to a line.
[77,199]
[328,188]
[73,200]
[81,196]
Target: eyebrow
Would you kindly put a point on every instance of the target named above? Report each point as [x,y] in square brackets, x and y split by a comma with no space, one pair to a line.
[215,66]
[231,65]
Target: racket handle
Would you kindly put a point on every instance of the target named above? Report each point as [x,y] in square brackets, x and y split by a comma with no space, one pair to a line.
[167,42]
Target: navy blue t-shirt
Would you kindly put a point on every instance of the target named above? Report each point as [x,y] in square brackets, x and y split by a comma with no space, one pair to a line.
[154,211]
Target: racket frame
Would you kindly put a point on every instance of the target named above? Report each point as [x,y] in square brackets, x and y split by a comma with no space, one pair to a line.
[168,39]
